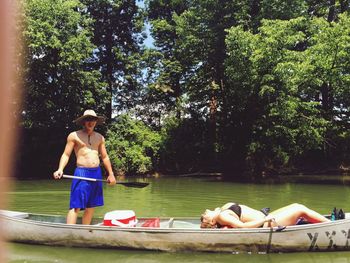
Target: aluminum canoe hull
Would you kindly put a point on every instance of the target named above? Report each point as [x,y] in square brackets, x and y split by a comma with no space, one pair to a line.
[175,234]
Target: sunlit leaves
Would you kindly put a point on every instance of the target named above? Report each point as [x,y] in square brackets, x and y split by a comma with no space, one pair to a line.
[132,146]
[58,40]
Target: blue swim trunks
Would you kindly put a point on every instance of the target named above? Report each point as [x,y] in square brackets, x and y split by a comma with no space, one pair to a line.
[86,194]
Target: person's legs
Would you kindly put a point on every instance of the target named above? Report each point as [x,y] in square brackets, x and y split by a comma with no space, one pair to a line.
[312,216]
[88,214]
[289,215]
[85,195]
[72,215]
[94,196]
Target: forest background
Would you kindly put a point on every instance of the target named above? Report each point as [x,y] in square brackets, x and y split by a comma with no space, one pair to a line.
[248,88]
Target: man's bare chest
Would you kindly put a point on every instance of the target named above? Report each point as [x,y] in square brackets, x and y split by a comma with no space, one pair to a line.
[87,142]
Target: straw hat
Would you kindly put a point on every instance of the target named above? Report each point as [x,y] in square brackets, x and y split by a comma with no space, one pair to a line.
[90,114]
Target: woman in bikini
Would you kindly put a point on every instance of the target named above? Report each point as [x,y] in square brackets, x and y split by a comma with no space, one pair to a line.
[234,215]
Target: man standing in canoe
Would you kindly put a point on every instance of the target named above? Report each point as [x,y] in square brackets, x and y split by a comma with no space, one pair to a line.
[88,146]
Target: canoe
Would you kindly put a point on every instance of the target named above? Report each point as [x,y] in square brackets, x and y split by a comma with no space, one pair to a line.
[174,234]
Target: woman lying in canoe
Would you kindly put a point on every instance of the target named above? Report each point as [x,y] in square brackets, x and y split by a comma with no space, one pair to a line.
[241,216]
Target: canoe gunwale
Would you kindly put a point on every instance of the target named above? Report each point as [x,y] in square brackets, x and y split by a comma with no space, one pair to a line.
[170,230]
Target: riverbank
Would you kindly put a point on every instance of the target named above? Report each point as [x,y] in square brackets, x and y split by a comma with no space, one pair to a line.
[319,179]
[329,177]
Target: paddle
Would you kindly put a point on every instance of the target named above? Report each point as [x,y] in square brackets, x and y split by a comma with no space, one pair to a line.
[127,184]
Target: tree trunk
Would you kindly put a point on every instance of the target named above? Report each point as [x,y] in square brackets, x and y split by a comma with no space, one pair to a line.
[109,66]
[327,106]
[254,13]
[327,101]
[344,5]
[331,13]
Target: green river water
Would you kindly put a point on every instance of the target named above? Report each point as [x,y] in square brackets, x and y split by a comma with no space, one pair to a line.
[173,197]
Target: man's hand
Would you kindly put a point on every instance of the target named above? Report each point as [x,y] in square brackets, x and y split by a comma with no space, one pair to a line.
[58,174]
[111,179]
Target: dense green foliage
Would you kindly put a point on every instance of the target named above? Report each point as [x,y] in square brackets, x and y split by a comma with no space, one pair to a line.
[58,84]
[265,89]
[285,122]
[132,146]
[243,87]
[117,27]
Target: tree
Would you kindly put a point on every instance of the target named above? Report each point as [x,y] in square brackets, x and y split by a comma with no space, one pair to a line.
[328,58]
[117,27]
[132,146]
[194,33]
[280,76]
[58,84]
[167,86]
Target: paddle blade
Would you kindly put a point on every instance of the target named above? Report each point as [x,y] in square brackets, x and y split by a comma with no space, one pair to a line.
[134,184]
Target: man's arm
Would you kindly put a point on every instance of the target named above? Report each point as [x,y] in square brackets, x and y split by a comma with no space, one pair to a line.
[65,156]
[107,162]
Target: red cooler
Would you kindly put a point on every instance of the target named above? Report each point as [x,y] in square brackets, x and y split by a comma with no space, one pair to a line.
[121,218]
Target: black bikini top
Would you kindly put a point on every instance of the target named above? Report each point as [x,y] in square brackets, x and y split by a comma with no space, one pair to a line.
[235,208]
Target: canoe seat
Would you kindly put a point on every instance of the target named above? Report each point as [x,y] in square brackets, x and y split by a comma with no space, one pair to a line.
[166,223]
[171,223]
[186,223]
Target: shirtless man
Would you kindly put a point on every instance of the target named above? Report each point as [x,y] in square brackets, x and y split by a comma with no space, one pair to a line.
[88,145]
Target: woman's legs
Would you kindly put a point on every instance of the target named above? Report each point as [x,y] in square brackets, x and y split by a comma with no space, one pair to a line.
[289,215]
